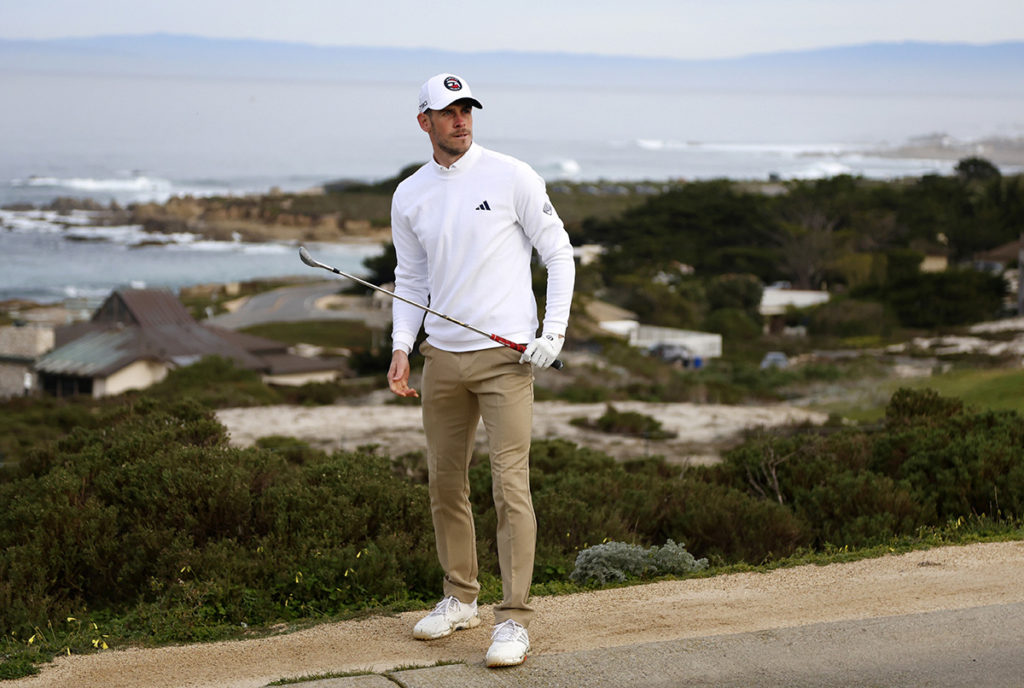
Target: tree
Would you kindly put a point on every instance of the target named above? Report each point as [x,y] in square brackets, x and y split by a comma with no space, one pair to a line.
[976,169]
[382,267]
[808,245]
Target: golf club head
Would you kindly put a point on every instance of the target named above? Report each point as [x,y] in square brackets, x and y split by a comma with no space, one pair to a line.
[306,258]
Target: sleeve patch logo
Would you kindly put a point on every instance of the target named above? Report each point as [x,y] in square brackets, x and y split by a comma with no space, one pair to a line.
[548,209]
[453,84]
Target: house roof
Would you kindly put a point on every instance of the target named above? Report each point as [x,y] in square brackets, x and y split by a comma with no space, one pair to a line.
[96,354]
[143,307]
[147,324]
[1005,254]
[775,301]
[101,353]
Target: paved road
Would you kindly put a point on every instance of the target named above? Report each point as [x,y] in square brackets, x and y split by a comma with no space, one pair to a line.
[292,304]
[980,647]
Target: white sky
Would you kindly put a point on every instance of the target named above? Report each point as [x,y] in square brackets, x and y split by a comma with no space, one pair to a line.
[656,28]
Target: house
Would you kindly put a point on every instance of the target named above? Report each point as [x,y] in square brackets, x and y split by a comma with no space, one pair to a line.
[587,254]
[20,347]
[138,335]
[699,345]
[776,300]
[998,258]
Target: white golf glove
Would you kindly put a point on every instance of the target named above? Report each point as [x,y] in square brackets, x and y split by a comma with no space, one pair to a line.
[542,351]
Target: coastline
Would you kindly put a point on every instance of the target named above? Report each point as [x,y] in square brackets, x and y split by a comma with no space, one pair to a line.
[997,150]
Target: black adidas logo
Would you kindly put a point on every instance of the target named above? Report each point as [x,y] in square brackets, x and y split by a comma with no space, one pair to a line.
[484,206]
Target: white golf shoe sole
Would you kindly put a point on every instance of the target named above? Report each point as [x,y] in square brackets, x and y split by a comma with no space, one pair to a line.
[423,634]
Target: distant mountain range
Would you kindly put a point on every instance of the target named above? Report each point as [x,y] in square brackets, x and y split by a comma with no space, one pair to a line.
[912,67]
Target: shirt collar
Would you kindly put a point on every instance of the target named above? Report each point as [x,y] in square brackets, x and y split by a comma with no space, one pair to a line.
[463,163]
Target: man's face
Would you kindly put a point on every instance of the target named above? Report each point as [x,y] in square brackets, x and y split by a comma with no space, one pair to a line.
[450,130]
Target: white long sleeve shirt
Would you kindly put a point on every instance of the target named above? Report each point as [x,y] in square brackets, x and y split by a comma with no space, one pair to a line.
[464,237]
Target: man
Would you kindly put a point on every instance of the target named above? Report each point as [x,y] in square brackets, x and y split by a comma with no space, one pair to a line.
[464,227]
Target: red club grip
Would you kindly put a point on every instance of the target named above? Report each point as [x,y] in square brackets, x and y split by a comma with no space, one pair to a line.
[510,344]
[557,365]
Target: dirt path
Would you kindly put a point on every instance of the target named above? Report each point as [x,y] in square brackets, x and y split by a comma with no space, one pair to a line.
[939,579]
[702,429]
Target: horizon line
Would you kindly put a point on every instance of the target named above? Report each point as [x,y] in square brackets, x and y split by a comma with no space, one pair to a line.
[539,53]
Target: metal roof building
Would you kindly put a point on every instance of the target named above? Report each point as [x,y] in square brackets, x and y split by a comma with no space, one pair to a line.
[138,335]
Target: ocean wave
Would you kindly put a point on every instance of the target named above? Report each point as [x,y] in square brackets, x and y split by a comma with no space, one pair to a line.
[91,294]
[138,188]
[823,169]
[651,144]
[565,168]
[43,221]
[780,149]
[132,184]
[121,234]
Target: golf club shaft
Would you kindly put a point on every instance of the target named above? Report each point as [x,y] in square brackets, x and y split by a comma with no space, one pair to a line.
[308,260]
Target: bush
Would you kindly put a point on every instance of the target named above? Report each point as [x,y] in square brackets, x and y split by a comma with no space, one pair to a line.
[728,525]
[152,514]
[618,561]
[144,514]
[733,323]
[630,423]
[215,382]
[955,297]
[932,461]
[849,318]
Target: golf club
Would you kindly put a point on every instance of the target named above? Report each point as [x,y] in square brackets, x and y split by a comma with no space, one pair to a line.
[308,260]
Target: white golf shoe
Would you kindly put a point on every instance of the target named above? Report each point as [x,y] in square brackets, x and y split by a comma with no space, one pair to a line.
[449,615]
[509,645]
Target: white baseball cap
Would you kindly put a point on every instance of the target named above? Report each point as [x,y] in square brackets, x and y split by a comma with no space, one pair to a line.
[441,90]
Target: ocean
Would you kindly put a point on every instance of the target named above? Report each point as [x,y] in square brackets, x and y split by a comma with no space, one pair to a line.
[135,139]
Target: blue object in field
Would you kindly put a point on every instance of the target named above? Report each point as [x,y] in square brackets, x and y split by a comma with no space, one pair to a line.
[697,362]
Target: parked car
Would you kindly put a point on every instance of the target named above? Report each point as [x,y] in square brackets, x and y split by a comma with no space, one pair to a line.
[671,353]
[774,359]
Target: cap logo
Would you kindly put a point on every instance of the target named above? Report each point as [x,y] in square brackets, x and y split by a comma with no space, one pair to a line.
[453,84]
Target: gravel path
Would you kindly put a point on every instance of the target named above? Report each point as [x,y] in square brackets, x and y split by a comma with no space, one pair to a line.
[940,579]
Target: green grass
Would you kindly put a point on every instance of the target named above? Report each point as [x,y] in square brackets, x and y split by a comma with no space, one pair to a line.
[995,389]
[351,334]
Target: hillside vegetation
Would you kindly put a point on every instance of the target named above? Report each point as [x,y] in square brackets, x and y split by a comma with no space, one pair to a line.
[141,525]
[132,521]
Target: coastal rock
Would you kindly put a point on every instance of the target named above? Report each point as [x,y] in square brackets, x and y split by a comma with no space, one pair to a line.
[66,205]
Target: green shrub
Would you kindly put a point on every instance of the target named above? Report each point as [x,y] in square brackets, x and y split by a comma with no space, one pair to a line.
[619,561]
[154,515]
[630,423]
[291,449]
[932,461]
[215,382]
[733,323]
[850,318]
[312,394]
[727,524]
[142,512]
[941,299]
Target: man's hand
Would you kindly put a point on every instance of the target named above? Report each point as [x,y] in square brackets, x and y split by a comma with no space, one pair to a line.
[543,350]
[398,375]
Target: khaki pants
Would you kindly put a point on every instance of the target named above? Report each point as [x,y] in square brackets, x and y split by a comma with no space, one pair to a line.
[458,390]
